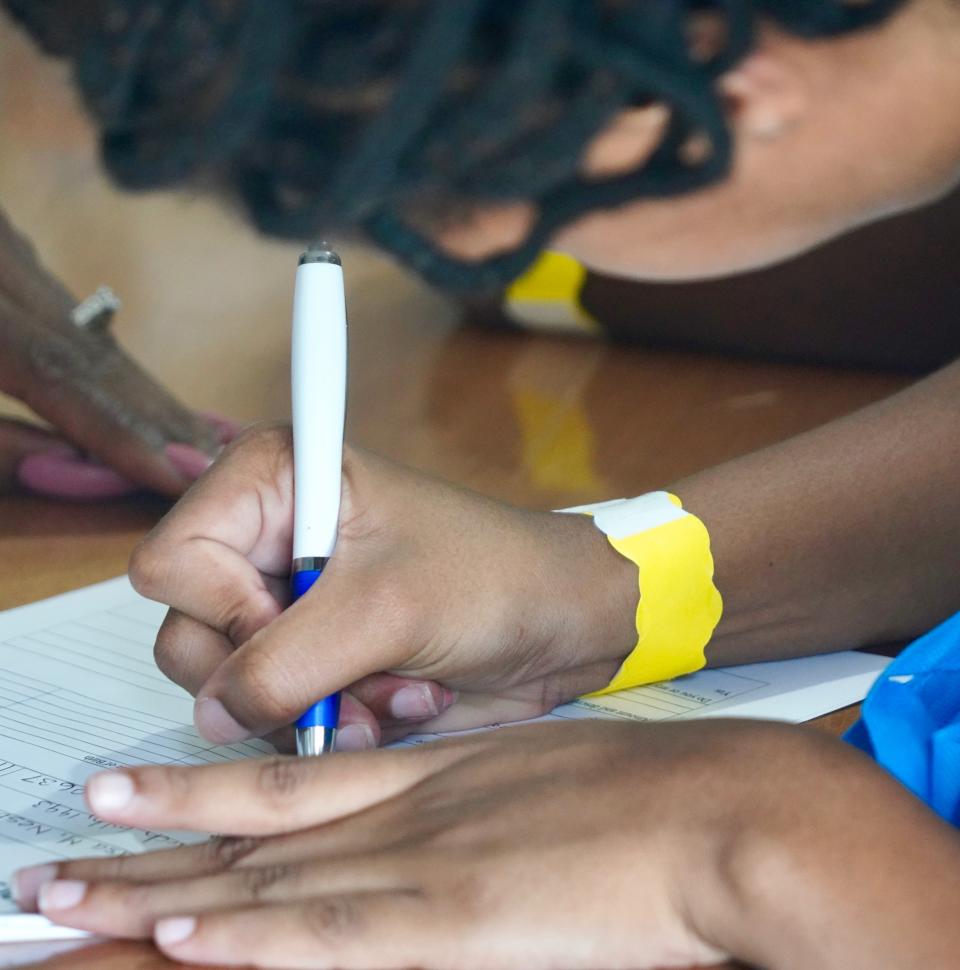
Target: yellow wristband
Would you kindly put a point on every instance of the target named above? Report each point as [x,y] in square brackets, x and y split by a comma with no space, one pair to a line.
[679,606]
[548,296]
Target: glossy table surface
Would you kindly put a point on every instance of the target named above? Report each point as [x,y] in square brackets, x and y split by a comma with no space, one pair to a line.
[534,420]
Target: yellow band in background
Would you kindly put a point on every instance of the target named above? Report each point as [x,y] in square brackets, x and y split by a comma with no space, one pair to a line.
[679,605]
[548,296]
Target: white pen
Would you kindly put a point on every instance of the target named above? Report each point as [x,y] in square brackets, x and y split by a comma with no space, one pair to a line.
[319,382]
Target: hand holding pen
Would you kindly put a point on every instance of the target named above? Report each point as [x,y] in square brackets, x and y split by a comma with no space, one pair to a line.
[433,592]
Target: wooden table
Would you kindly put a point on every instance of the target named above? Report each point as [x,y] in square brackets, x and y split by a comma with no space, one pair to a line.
[533,420]
[545,422]
[458,402]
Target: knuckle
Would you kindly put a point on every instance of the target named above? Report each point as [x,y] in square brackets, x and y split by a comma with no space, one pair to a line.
[465,892]
[54,358]
[225,852]
[170,782]
[273,439]
[244,613]
[279,778]
[234,626]
[446,833]
[114,867]
[135,897]
[265,433]
[258,883]
[167,649]
[328,919]
[148,568]
[264,686]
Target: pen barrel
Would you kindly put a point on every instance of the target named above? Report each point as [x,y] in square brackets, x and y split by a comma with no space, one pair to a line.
[324,713]
[319,385]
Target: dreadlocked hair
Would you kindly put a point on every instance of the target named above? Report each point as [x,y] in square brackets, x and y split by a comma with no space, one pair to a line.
[318,115]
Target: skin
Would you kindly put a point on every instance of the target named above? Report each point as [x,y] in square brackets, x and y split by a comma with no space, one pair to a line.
[475,605]
[592,845]
[221,562]
[485,601]
[805,117]
[464,854]
[809,121]
[113,428]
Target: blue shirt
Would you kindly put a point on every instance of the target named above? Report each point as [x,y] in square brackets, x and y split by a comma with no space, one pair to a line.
[911,719]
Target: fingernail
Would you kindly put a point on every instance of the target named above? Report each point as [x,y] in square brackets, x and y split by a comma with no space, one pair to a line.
[173,930]
[64,473]
[61,894]
[110,791]
[189,461]
[26,884]
[215,724]
[355,737]
[415,702]
[226,428]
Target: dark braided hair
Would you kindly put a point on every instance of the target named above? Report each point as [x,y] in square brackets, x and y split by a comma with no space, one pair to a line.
[326,114]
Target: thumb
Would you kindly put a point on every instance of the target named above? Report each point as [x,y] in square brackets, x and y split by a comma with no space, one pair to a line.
[37,461]
[349,625]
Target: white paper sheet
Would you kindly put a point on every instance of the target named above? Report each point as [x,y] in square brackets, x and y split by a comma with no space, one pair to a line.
[29,940]
[19,927]
[79,692]
[784,690]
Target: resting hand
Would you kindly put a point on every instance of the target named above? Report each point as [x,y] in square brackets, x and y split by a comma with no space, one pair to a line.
[593,845]
[514,610]
[97,399]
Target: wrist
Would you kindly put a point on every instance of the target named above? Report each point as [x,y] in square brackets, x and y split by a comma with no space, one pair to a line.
[677,604]
[743,871]
[799,867]
[594,592]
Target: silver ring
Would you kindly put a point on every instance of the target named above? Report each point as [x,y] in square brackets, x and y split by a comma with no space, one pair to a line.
[95,313]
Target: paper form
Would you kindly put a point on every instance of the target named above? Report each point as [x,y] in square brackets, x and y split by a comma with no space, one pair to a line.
[27,940]
[79,691]
[784,690]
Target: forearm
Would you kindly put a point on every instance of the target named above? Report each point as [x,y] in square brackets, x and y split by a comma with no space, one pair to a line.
[843,536]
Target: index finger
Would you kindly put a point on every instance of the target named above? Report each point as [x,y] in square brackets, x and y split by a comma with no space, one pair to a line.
[263,796]
[207,555]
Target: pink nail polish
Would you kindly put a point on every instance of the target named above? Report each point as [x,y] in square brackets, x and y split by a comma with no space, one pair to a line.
[189,461]
[226,428]
[61,472]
